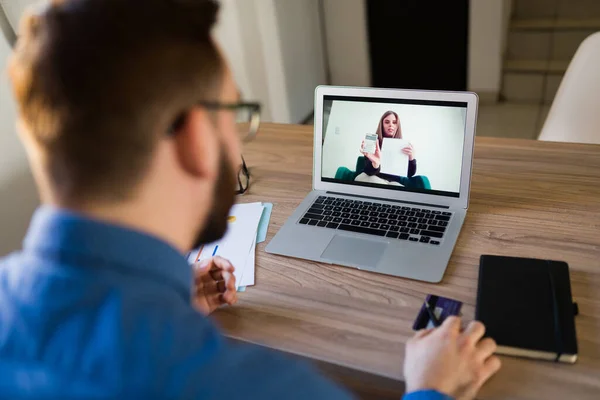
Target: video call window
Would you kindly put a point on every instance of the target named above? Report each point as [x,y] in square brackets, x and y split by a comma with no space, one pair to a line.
[409,145]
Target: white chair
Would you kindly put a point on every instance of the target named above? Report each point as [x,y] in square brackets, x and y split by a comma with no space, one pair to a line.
[575,112]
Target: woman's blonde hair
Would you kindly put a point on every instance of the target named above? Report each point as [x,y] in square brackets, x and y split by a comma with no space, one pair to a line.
[397,135]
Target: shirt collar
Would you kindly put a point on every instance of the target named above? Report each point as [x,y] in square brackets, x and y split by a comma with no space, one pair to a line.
[63,232]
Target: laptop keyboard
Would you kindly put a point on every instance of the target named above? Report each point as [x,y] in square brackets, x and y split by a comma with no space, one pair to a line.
[378,219]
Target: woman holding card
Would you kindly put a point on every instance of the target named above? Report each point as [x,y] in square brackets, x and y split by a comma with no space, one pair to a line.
[389,127]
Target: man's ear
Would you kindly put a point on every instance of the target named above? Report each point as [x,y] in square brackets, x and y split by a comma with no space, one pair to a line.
[197,145]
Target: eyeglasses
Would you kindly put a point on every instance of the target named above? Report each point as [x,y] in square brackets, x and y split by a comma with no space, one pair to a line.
[243,178]
[247,120]
[247,117]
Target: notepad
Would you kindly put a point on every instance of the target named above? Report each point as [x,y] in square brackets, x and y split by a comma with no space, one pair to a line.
[247,226]
[527,308]
[239,243]
[393,160]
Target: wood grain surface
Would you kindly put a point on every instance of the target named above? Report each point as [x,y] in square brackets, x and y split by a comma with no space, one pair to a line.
[528,199]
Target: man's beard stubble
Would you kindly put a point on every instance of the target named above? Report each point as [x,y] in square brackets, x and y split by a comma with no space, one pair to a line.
[223,199]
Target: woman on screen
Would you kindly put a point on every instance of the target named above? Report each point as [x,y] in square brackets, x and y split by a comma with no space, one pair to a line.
[389,127]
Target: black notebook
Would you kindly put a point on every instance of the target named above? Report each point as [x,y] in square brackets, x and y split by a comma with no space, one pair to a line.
[527,308]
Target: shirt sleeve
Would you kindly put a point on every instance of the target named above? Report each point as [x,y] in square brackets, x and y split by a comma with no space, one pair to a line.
[412,168]
[426,395]
[369,169]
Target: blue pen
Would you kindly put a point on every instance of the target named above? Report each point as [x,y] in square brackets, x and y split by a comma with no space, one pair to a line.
[215,250]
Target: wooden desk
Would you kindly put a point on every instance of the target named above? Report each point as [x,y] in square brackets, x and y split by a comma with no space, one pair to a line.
[528,198]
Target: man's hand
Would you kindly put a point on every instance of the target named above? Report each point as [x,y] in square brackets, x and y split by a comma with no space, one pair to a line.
[214,284]
[451,362]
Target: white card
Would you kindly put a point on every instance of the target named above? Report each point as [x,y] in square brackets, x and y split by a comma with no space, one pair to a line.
[370,143]
[393,160]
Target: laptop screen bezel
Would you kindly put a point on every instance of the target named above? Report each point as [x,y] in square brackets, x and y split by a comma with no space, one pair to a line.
[462,201]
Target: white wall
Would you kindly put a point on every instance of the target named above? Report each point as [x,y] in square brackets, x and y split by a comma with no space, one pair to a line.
[302,53]
[347,42]
[486,46]
[228,34]
[11,152]
[14,9]
[275,49]
[507,13]
[437,134]
[18,196]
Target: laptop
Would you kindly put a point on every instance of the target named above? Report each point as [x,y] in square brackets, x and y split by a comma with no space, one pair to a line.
[391,181]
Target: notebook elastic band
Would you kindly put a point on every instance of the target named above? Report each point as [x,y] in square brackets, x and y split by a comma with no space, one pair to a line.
[558,337]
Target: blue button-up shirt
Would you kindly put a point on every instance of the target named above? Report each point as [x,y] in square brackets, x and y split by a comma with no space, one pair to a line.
[94,310]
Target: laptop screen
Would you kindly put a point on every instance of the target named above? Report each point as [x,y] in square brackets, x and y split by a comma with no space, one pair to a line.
[395,144]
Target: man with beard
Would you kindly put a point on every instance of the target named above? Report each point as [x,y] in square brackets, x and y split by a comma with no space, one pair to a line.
[128,114]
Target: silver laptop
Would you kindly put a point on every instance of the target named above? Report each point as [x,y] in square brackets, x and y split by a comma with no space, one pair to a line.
[391,180]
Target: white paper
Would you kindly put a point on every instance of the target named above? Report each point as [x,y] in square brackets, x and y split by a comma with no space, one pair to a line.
[393,160]
[238,242]
[249,268]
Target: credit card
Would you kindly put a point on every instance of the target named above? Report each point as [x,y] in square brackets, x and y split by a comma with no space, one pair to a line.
[443,306]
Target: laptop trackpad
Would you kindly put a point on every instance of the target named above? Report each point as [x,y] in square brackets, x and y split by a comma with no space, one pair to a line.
[351,251]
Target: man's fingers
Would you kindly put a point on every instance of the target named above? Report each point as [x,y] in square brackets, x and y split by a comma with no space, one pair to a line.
[223,264]
[202,272]
[216,274]
[214,287]
[214,301]
[473,334]
[215,283]
[230,280]
[422,333]
[450,326]
[202,267]
[490,367]
[229,298]
[206,288]
[212,269]
[485,349]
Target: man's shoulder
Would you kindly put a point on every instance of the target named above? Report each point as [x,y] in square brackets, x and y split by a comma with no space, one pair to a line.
[88,328]
[11,271]
[9,259]
[135,337]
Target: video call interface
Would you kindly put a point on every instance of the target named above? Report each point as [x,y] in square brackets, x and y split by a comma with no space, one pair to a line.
[407,145]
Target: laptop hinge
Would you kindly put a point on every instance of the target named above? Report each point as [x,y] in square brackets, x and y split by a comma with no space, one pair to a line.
[390,200]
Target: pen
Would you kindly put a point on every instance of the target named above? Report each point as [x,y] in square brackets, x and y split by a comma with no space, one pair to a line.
[215,251]
[434,320]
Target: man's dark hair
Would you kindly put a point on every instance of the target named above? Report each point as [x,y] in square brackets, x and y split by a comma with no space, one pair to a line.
[99,82]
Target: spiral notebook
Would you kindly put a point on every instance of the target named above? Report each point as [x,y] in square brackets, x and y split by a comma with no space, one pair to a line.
[527,308]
